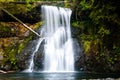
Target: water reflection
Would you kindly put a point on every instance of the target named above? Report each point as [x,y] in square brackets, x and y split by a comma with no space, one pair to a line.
[59,76]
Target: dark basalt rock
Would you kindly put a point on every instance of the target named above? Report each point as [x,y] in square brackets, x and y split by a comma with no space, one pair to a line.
[24,57]
[39,57]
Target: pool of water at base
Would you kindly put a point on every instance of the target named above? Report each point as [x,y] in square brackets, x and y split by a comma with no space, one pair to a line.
[59,76]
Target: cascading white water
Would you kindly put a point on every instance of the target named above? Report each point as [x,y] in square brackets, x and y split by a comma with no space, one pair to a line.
[58,47]
[59,53]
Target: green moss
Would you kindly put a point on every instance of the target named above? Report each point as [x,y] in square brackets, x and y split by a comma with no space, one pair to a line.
[23,44]
[10,53]
[86,4]
[6,0]
[86,45]
[4,28]
[16,8]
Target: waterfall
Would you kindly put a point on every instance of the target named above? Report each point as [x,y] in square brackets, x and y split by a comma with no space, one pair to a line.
[58,45]
[58,48]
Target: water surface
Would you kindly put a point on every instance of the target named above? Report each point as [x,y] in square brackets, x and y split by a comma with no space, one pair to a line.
[59,76]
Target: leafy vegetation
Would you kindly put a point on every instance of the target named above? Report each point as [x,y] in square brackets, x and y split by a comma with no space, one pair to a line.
[100,26]
[28,0]
[11,46]
[11,51]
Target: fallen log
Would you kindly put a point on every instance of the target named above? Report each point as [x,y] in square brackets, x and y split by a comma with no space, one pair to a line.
[20,22]
[1,71]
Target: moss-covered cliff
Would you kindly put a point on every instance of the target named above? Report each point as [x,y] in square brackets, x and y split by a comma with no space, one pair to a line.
[98,27]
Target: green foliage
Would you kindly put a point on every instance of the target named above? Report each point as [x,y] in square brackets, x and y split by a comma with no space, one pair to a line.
[6,31]
[5,28]
[9,55]
[23,43]
[102,32]
[6,0]
[11,52]
[37,0]
[99,24]
[86,4]
[16,8]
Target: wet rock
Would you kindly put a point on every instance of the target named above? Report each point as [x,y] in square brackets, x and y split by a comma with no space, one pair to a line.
[78,51]
[24,57]
[39,57]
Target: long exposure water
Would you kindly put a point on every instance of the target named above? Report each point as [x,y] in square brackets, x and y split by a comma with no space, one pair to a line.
[59,53]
